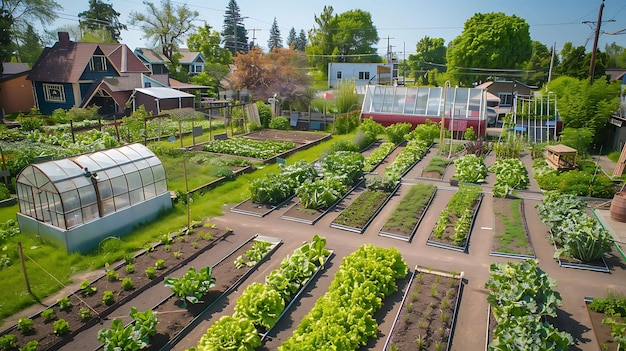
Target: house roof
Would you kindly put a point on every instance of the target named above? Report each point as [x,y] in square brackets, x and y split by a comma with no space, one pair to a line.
[190,56]
[185,86]
[66,61]
[151,56]
[120,97]
[11,68]
[164,93]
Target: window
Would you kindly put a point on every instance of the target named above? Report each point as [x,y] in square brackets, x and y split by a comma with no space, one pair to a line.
[338,74]
[196,69]
[98,63]
[364,75]
[54,92]
[506,99]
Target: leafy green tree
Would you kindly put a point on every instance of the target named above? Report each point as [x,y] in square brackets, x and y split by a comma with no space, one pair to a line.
[347,37]
[275,40]
[207,42]
[102,16]
[578,138]
[538,65]
[575,62]
[31,47]
[291,37]
[616,55]
[234,32]
[429,53]
[6,47]
[165,26]
[492,40]
[24,13]
[584,105]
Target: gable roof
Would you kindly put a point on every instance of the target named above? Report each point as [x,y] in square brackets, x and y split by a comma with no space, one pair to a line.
[151,56]
[66,61]
[164,93]
[190,56]
[14,68]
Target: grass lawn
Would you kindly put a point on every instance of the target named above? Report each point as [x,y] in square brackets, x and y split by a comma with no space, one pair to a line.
[49,268]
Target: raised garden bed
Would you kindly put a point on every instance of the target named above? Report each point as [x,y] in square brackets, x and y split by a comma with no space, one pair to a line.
[427,314]
[86,310]
[298,213]
[251,208]
[597,265]
[176,318]
[406,217]
[454,219]
[602,331]
[511,238]
[362,210]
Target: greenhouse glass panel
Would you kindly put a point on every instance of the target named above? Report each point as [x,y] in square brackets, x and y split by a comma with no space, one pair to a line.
[158,172]
[146,176]
[134,181]
[70,200]
[136,196]
[90,212]
[73,218]
[130,153]
[461,108]
[141,164]
[435,102]
[149,191]
[108,206]
[87,195]
[161,186]
[113,172]
[117,157]
[104,187]
[120,186]
[121,201]
[28,175]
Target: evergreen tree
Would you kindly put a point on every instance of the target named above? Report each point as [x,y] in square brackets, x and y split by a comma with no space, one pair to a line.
[233,31]
[291,38]
[274,41]
[301,41]
[102,16]
[6,20]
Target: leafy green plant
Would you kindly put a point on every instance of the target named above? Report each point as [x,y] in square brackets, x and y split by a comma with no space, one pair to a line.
[8,342]
[376,156]
[25,325]
[159,264]
[249,148]
[127,284]
[470,169]
[108,298]
[510,174]
[48,314]
[112,275]
[230,333]
[259,249]
[280,122]
[261,304]
[84,313]
[30,346]
[133,337]
[64,303]
[61,327]
[395,133]
[412,152]
[130,268]
[87,289]
[193,285]
[150,272]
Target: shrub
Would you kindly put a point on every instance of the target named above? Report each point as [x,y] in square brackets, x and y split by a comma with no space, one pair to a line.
[281,123]
[87,289]
[112,275]
[4,192]
[48,314]
[265,113]
[130,268]
[159,264]
[61,327]
[469,134]
[30,346]
[396,132]
[25,325]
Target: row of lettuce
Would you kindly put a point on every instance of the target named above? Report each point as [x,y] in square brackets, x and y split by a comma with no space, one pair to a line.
[343,318]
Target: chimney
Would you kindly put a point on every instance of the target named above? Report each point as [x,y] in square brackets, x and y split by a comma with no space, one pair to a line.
[64,40]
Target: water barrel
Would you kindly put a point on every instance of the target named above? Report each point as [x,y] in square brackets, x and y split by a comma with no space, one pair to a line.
[618,207]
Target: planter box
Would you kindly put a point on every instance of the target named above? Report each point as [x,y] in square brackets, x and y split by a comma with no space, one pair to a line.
[444,245]
[374,213]
[427,290]
[524,253]
[409,238]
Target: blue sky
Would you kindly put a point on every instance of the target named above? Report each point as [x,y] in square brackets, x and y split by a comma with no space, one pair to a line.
[401,24]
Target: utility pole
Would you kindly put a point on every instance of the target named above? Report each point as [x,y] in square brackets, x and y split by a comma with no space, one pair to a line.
[389,50]
[254,34]
[592,66]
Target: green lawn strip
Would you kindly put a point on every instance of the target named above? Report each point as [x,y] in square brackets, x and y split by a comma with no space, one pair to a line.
[514,233]
[405,216]
[61,266]
[362,209]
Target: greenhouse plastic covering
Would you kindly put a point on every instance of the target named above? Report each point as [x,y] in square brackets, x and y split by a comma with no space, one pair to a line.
[69,192]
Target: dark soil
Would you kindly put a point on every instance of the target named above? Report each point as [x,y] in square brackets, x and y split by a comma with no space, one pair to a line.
[362,209]
[306,215]
[175,254]
[502,212]
[253,208]
[174,315]
[432,175]
[603,331]
[286,135]
[427,313]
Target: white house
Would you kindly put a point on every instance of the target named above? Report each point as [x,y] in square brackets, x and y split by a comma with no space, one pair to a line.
[361,73]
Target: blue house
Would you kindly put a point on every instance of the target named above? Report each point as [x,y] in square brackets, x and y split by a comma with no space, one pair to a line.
[71,74]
